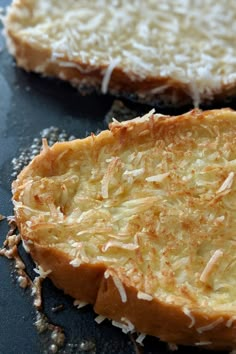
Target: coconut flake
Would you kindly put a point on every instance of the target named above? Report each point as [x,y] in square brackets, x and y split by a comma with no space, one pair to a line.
[107,177]
[99,319]
[126,246]
[203,343]
[108,73]
[143,296]
[230,321]
[157,178]
[134,173]
[140,339]
[210,265]
[172,346]
[41,272]
[120,288]
[227,184]
[126,327]
[79,304]
[210,326]
[75,262]
[187,312]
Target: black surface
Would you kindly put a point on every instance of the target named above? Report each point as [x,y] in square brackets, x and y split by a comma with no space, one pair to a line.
[29,104]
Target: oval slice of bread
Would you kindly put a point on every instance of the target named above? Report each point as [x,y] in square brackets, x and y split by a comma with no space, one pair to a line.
[140,221]
[175,52]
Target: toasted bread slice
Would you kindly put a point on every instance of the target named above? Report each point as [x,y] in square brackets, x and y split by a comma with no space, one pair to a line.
[167,51]
[140,221]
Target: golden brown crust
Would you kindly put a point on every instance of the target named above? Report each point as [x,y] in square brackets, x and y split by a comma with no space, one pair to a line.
[33,59]
[81,283]
[102,246]
[166,321]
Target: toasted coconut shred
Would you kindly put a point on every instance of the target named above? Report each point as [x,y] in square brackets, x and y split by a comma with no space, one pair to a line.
[108,176]
[188,313]
[144,296]
[80,304]
[143,231]
[210,326]
[227,184]
[230,321]
[2,217]
[99,319]
[10,251]
[172,347]
[120,288]
[210,265]
[108,74]
[125,325]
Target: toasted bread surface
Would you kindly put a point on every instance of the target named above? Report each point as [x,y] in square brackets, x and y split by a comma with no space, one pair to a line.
[140,221]
[171,51]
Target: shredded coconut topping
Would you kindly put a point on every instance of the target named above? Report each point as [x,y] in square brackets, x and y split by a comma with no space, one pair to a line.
[227,184]
[120,288]
[42,273]
[108,73]
[140,338]
[99,319]
[230,321]
[79,304]
[210,326]
[188,313]
[210,265]
[174,240]
[125,325]
[191,48]
[203,343]
[143,296]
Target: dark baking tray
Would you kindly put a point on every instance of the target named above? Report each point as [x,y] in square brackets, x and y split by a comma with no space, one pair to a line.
[28,104]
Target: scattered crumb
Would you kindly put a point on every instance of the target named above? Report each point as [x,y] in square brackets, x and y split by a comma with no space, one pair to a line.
[55,336]
[52,134]
[2,217]
[119,111]
[58,308]
[87,346]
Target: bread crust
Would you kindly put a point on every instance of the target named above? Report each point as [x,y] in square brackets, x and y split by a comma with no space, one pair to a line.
[177,317]
[161,319]
[34,59]
[32,56]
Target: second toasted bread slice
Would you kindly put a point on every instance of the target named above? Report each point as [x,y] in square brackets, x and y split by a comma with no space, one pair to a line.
[140,221]
[175,52]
